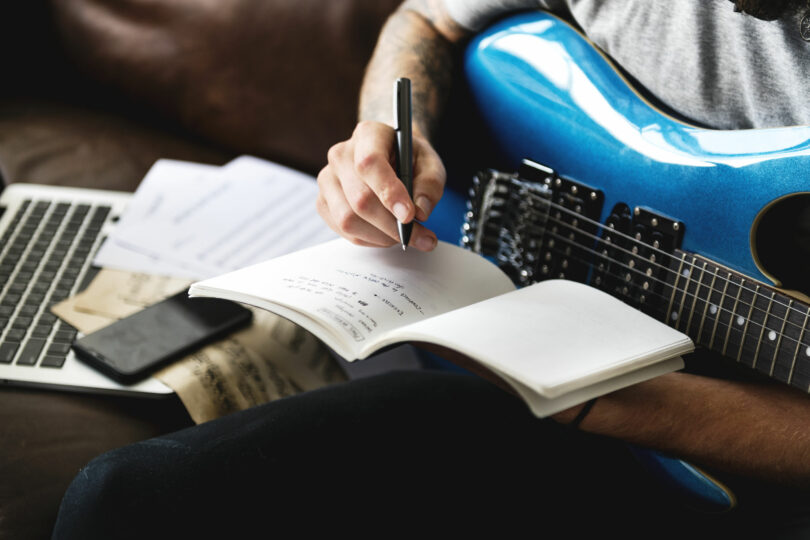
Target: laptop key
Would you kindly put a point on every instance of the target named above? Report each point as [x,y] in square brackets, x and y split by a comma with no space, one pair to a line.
[64,336]
[30,352]
[28,310]
[7,352]
[41,330]
[35,298]
[17,287]
[22,322]
[59,348]
[53,361]
[15,335]
[11,299]
[46,318]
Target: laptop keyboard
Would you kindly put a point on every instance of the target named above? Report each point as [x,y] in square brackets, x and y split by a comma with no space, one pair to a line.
[45,257]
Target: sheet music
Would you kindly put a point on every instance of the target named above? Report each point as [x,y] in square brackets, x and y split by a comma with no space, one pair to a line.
[270,359]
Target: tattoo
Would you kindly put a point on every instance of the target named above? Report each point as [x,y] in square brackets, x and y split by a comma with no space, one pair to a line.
[435,73]
[419,42]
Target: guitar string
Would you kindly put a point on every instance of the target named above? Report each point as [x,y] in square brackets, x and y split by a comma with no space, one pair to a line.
[684,292]
[613,231]
[752,307]
[690,265]
[698,283]
[785,338]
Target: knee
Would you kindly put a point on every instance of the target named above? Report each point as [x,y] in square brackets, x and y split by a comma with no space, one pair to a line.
[94,501]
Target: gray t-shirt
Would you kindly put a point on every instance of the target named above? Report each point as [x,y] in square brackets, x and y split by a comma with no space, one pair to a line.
[704,60]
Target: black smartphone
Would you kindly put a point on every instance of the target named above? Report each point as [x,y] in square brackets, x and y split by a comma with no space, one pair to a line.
[131,349]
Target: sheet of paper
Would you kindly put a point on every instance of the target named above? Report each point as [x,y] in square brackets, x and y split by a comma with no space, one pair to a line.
[187,220]
[115,256]
[118,294]
[82,321]
[163,187]
[275,214]
[270,359]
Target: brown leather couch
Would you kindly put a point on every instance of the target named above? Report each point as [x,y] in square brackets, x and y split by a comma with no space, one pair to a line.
[278,79]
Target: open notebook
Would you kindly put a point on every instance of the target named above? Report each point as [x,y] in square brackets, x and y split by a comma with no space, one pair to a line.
[556,343]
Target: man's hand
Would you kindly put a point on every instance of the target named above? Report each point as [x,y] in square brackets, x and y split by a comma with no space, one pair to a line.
[361,196]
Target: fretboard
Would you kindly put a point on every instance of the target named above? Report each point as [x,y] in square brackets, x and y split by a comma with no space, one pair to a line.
[738,317]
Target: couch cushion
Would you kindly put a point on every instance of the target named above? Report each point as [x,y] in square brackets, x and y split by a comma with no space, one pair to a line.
[47,436]
[62,143]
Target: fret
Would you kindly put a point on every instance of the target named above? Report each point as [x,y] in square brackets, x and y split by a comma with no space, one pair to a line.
[800,370]
[721,299]
[801,349]
[728,316]
[781,334]
[671,317]
[771,333]
[695,293]
[757,313]
[788,349]
[710,308]
[677,315]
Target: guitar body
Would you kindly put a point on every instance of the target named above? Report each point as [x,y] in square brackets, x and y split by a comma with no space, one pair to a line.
[545,93]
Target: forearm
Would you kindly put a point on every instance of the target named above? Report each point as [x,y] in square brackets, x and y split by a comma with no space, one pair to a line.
[418,41]
[756,430]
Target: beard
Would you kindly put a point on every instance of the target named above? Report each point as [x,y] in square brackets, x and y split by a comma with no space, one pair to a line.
[767,10]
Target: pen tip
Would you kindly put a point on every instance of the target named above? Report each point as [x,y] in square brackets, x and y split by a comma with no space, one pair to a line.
[404,247]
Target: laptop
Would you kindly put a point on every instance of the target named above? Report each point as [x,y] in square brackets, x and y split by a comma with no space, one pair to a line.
[48,237]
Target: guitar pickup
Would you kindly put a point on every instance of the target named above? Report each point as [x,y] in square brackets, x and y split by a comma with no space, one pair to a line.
[581,198]
[667,231]
[573,224]
[635,251]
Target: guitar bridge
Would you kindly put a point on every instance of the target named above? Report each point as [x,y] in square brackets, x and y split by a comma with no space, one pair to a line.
[534,223]
[539,225]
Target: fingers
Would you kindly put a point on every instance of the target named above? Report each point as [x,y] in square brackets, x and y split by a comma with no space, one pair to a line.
[373,159]
[341,218]
[360,193]
[338,214]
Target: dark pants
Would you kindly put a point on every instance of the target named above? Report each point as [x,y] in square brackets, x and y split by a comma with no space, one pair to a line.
[421,452]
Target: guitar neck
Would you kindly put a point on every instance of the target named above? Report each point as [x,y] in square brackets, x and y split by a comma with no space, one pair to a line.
[738,317]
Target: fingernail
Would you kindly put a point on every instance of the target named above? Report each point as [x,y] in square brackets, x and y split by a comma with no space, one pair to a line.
[400,211]
[425,243]
[425,205]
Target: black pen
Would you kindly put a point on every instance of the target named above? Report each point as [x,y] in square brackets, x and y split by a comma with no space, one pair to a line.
[404,153]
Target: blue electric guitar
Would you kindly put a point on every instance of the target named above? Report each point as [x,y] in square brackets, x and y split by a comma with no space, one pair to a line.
[704,229]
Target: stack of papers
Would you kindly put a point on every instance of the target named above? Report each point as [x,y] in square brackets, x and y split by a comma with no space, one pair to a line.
[197,221]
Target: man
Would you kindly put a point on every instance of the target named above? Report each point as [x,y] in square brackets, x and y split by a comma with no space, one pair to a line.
[705,60]
[415,448]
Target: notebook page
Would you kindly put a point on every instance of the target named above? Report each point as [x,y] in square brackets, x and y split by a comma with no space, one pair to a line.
[554,336]
[360,293]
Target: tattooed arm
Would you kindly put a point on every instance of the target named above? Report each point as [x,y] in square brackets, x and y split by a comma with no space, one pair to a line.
[360,194]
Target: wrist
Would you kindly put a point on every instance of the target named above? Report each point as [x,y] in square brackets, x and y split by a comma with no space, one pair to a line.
[575,416]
